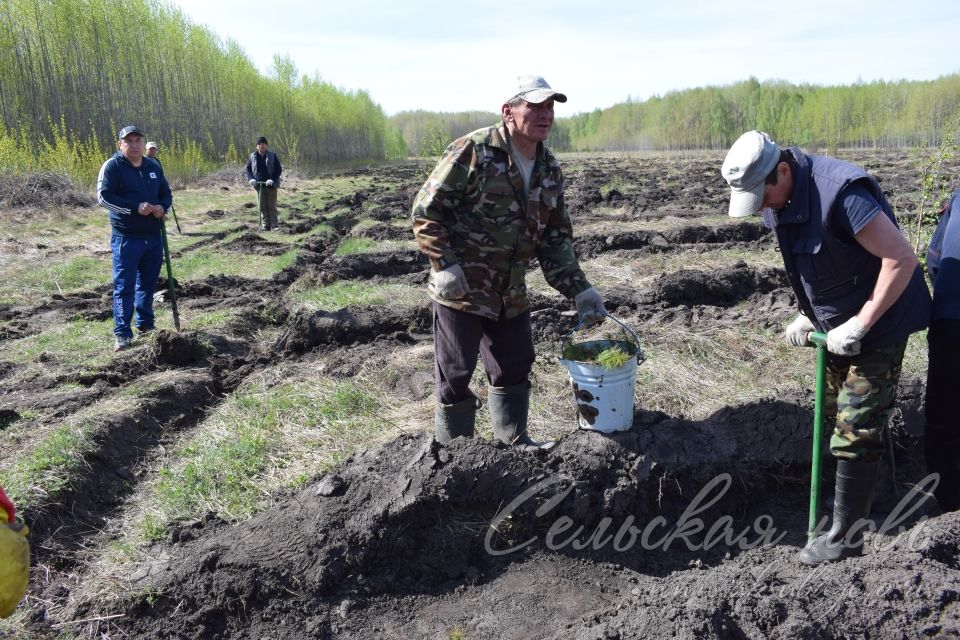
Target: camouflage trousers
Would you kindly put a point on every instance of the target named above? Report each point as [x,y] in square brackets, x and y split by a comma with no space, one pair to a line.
[861,392]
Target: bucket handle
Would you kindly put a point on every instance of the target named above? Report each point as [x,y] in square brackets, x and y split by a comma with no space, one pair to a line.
[565,338]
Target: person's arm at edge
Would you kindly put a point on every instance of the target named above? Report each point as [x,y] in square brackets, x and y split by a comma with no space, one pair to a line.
[883,239]
[441,193]
[558,261]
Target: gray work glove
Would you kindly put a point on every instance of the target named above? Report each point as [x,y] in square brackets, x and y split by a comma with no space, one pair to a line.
[798,330]
[269,183]
[845,339]
[451,283]
[253,183]
[590,306]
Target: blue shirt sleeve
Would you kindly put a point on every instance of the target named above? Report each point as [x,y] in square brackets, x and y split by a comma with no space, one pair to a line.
[854,208]
[946,285]
[107,186]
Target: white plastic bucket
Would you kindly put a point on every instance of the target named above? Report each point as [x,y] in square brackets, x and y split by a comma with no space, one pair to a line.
[603,397]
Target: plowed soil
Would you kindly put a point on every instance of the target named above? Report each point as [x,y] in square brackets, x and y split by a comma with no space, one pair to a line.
[680,527]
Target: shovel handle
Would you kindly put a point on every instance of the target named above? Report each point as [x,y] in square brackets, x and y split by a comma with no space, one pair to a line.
[817,338]
[820,387]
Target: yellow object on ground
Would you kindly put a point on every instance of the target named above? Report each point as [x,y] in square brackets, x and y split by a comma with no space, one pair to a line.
[14,563]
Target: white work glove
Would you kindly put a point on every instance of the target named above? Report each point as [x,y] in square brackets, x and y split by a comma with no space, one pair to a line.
[269,183]
[590,306]
[451,283]
[845,339]
[253,183]
[798,330]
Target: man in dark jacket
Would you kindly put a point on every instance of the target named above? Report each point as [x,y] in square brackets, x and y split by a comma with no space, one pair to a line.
[942,436]
[263,172]
[856,279]
[133,189]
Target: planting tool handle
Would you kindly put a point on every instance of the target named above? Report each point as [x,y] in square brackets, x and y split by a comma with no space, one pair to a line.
[820,386]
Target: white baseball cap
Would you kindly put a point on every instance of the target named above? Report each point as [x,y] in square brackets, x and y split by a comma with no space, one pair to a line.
[751,158]
[533,89]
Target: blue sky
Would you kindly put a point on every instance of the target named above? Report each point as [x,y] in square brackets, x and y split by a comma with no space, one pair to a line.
[456,56]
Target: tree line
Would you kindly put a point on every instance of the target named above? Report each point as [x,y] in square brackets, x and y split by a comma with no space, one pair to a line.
[875,114]
[73,71]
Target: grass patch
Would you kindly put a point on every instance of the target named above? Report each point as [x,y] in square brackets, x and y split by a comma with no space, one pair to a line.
[199,265]
[212,319]
[79,341]
[351,246]
[27,278]
[45,469]
[345,293]
[617,183]
[357,245]
[261,439]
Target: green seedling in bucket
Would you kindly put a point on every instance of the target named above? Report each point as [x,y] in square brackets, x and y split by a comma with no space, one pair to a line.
[603,374]
[609,354]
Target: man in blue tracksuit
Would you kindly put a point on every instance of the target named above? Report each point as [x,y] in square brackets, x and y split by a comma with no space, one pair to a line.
[133,189]
[857,280]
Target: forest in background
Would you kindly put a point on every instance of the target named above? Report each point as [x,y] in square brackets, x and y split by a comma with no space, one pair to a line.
[873,114]
[73,71]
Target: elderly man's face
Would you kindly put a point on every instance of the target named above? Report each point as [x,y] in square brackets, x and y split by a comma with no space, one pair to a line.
[152,152]
[531,121]
[261,148]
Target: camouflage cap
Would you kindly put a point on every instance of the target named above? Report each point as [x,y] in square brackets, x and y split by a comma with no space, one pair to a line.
[533,89]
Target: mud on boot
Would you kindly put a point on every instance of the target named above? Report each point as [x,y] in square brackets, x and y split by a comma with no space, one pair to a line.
[509,407]
[851,506]
[455,420]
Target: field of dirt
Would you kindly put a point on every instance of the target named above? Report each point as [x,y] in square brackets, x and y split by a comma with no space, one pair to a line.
[685,526]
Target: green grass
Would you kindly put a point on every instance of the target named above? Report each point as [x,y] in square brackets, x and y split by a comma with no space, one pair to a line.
[259,440]
[46,467]
[357,245]
[199,265]
[346,293]
[351,246]
[79,341]
[618,183]
[211,320]
[27,279]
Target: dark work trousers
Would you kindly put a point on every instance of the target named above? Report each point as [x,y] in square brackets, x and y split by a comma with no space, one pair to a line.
[504,346]
[268,203]
[942,437]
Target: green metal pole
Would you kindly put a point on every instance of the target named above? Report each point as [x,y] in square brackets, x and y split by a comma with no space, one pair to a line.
[173,293]
[820,388]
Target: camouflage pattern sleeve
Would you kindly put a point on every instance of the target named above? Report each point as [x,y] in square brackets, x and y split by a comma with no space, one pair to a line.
[438,198]
[555,252]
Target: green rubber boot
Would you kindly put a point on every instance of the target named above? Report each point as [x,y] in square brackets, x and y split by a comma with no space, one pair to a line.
[455,420]
[851,503]
[508,415]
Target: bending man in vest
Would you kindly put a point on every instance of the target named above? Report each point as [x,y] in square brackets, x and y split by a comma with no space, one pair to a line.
[494,202]
[856,279]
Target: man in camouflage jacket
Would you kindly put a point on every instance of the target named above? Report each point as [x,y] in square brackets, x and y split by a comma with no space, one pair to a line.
[493,202]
